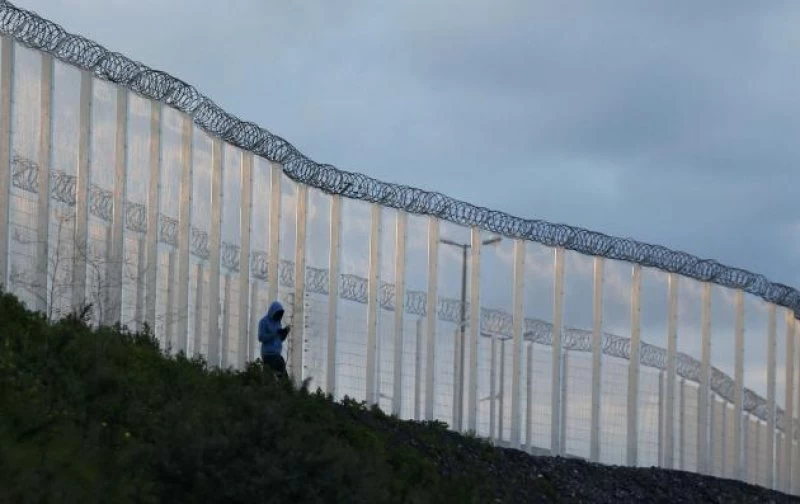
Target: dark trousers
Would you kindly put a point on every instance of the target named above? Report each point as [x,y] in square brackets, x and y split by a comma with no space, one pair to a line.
[276,364]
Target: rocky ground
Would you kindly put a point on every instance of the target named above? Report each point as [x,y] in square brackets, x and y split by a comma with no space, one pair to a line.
[515,476]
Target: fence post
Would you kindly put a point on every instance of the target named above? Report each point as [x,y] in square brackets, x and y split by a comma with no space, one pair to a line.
[661,431]
[458,385]
[474,326]
[518,296]
[246,333]
[597,357]
[153,211]
[793,424]
[672,350]
[501,394]
[418,373]
[373,284]
[214,250]
[529,400]
[274,259]
[114,312]
[169,313]
[184,233]
[682,424]
[788,414]
[771,364]
[724,442]
[738,468]
[141,273]
[633,369]
[558,308]
[703,429]
[333,288]
[431,313]
[298,334]
[712,413]
[6,112]
[253,348]
[82,191]
[198,311]
[7,55]
[493,390]
[45,165]
[399,309]
[226,319]
[564,396]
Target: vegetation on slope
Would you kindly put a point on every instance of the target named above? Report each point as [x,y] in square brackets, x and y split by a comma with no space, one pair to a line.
[104,416]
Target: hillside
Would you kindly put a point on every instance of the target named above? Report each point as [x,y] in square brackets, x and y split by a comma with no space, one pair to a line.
[105,416]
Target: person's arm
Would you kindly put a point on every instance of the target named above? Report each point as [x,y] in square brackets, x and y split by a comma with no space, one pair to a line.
[262,331]
[283,333]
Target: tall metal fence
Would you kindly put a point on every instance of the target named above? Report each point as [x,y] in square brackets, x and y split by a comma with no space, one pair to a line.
[126,188]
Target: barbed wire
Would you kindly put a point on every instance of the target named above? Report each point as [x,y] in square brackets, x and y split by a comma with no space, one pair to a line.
[38,33]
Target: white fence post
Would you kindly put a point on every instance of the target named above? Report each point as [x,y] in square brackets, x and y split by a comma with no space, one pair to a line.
[431,314]
[225,349]
[474,327]
[333,288]
[738,406]
[529,400]
[786,462]
[418,373]
[399,309]
[458,384]
[633,369]
[153,211]
[141,273]
[672,350]
[597,357]
[275,209]
[83,183]
[518,296]
[169,313]
[298,333]
[373,284]
[501,393]
[214,251]
[682,424]
[771,364]
[120,195]
[558,309]
[6,112]
[564,399]
[198,311]
[184,233]
[493,390]
[705,452]
[246,333]
[45,165]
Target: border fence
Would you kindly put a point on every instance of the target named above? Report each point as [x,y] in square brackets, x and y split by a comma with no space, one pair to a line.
[124,187]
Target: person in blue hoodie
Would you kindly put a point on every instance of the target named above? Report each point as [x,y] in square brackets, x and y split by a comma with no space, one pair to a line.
[272,335]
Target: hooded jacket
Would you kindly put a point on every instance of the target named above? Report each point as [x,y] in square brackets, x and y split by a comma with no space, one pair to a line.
[270,332]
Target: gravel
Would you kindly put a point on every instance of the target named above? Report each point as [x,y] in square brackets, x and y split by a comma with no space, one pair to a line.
[509,475]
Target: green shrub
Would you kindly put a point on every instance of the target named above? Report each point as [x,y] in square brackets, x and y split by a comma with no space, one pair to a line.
[104,415]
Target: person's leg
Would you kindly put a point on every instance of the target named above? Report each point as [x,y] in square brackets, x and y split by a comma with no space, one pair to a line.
[276,364]
[282,367]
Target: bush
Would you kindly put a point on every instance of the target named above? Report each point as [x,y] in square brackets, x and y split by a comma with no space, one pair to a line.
[104,415]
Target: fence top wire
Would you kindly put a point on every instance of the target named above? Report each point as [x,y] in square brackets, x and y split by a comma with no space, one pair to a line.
[35,32]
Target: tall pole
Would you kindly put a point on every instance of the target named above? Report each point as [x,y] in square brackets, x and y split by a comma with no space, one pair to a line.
[460,397]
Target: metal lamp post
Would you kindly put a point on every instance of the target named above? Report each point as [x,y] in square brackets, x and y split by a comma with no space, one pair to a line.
[459,396]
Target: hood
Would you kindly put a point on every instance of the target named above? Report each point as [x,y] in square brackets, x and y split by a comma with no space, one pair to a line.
[273,308]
